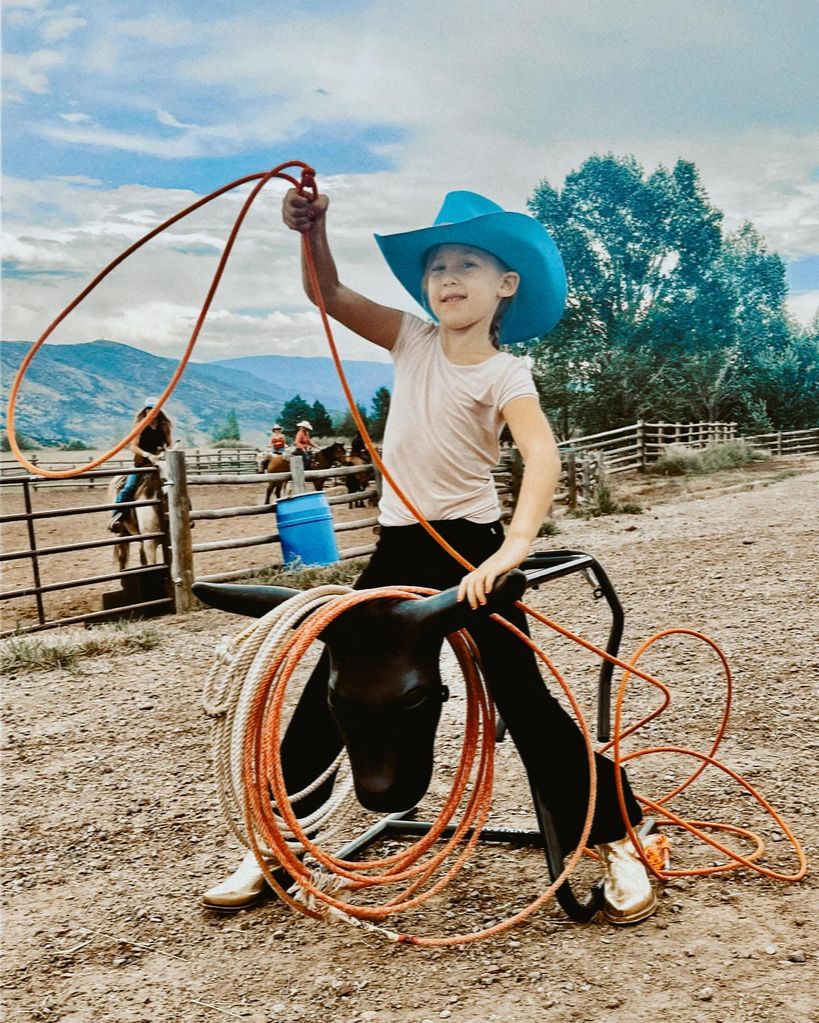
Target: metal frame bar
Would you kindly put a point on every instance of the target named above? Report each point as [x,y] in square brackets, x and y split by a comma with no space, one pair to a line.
[545,565]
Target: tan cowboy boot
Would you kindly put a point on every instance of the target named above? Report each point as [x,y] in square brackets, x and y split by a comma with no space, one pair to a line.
[627,888]
[245,887]
[117,523]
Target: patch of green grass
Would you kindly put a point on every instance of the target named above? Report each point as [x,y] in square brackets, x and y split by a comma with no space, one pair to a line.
[64,647]
[681,461]
[549,528]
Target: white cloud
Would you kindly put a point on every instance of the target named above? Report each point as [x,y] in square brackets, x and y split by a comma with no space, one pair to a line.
[129,142]
[78,179]
[160,30]
[166,118]
[481,97]
[29,72]
[61,26]
[153,299]
[804,305]
[54,24]
[23,12]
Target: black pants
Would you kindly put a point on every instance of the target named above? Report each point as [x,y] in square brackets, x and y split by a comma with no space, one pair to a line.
[546,736]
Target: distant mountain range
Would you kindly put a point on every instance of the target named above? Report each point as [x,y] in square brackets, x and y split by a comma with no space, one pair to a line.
[89,392]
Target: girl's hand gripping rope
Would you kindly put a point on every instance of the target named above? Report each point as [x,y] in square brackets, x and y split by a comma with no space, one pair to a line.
[301,211]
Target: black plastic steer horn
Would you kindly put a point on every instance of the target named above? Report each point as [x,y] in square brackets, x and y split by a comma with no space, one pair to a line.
[384,690]
[377,689]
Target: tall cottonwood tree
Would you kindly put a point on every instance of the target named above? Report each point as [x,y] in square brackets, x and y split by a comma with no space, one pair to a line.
[665,318]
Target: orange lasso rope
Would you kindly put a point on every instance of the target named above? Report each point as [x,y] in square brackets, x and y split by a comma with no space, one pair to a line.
[262,179]
[261,764]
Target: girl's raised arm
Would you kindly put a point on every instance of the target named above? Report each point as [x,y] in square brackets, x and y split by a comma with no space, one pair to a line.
[377,323]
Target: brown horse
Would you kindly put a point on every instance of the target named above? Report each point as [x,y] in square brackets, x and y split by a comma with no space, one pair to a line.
[326,458]
[358,481]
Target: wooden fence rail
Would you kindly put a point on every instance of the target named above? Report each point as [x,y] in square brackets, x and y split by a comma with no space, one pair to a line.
[180,517]
[625,449]
[633,448]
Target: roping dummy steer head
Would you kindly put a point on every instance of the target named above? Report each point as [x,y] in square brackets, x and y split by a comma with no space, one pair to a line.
[384,689]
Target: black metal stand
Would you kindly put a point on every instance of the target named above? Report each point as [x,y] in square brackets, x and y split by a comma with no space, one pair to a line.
[539,568]
[546,565]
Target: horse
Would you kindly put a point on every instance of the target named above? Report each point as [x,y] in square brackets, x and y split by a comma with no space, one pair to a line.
[358,481]
[136,521]
[325,458]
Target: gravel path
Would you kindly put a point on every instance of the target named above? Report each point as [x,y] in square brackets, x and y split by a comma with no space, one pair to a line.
[111,827]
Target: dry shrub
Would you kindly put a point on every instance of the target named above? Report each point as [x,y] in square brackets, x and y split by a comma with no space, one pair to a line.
[62,648]
[677,460]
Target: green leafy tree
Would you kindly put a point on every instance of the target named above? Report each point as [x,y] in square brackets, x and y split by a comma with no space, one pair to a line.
[320,418]
[293,411]
[229,430]
[665,318]
[379,410]
[345,425]
[24,442]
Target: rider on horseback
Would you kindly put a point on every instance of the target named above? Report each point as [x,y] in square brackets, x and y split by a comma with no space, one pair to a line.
[304,442]
[278,441]
[149,444]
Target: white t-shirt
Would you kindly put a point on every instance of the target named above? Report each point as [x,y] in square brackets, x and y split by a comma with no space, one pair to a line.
[444,426]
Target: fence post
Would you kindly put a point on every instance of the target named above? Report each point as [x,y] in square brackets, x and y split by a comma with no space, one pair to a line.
[571,479]
[641,444]
[179,524]
[586,487]
[779,442]
[297,472]
[32,543]
[600,476]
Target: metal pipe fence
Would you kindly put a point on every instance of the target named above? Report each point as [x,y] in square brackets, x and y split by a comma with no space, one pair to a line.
[143,587]
[625,449]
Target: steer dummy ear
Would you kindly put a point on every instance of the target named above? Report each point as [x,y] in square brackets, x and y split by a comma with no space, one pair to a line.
[253,601]
[444,613]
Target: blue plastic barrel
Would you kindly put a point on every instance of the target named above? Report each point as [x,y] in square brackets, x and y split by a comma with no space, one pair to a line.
[306,530]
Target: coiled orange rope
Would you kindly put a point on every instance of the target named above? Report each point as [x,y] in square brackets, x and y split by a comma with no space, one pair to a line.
[262,774]
[262,770]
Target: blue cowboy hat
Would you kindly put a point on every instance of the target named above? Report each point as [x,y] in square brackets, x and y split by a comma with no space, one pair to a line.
[517,240]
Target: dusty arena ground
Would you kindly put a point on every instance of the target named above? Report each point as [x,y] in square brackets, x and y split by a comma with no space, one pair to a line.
[112,829]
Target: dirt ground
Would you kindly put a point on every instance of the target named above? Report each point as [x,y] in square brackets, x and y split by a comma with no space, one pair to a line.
[112,829]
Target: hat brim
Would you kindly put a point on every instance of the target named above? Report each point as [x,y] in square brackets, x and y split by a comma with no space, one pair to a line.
[517,240]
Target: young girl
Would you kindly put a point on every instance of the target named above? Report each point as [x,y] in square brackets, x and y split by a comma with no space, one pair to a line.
[486,276]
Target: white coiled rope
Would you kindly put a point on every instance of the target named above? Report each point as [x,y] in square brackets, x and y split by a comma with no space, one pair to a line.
[239,667]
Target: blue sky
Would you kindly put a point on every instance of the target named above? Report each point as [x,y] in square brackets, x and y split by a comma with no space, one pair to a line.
[117,114]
